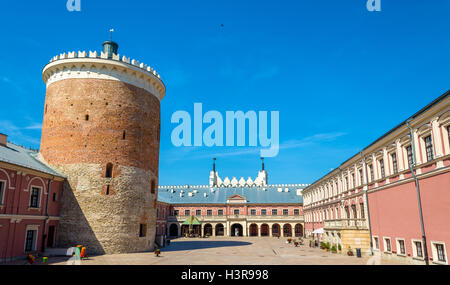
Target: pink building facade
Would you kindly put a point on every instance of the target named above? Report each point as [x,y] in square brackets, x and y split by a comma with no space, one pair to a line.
[371,201]
[29,203]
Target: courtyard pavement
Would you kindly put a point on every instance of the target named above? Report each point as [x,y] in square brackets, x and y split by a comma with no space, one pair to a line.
[226,251]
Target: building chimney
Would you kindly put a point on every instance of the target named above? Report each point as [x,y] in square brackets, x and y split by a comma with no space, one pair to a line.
[3,139]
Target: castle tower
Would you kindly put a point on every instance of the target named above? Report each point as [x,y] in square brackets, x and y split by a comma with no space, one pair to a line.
[101,128]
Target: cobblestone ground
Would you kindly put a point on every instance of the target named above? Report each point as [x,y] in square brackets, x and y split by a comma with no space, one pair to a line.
[225,251]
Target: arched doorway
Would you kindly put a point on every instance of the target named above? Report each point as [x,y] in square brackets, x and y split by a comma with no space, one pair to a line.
[265,230]
[253,230]
[298,230]
[173,230]
[276,230]
[287,230]
[184,230]
[220,230]
[236,230]
[196,230]
[207,230]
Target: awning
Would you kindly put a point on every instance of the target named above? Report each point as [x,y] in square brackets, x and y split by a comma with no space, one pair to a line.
[191,221]
[318,231]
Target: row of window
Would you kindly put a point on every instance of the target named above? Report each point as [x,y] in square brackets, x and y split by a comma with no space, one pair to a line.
[352,212]
[384,168]
[438,249]
[237,212]
[158,213]
[35,196]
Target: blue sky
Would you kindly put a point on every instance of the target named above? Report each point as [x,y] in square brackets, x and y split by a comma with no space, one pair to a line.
[339,76]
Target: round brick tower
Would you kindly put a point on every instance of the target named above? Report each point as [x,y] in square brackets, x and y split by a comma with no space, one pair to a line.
[101,128]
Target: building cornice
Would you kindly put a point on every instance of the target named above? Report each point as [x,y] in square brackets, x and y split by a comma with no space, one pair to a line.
[82,65]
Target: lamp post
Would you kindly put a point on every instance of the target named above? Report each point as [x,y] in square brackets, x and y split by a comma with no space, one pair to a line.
[412,166]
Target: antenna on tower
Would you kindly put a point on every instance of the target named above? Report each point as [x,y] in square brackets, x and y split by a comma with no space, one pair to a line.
[110,34]
[262,160]
[110,47]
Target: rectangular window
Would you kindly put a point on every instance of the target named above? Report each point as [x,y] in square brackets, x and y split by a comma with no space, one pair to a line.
[418,246]
[410,155]
[383,174]
[401,245]
[440,252]
[176,212]
[142,230]
[372,176]
[394,163]
[346,183]
[157,212]
[274,212]
[187,212]
[253,212]
[361,177]
[388,244]
[209,212]
[34,199]
[285,212]
[198,212]
[55,197]
[2,191]
[30,244]
[448,134]
[429,148]
[263,212]
[355,215]
[236,211]
[296,212]
[377,243]
[361,208]
[220,212]
[353,180]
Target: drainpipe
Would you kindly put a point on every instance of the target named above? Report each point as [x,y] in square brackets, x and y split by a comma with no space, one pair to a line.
[412,166]
[44,231]
[312,232]
[366,196]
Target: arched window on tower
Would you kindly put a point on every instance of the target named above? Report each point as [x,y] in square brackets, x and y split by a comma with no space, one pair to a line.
[153,186]
[109,169]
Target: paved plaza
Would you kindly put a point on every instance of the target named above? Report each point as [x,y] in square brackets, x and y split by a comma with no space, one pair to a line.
[226,251]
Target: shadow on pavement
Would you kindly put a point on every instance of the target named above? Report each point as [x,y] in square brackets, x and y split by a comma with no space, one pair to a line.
[189,245]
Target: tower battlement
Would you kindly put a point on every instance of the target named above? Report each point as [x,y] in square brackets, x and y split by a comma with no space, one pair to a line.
[83,64]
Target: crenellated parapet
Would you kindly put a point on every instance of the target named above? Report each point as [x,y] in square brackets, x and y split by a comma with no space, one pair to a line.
[91,64]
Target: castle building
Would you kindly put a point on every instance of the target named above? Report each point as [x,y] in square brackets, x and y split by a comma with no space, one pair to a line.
[101,129]
[374,201]
[30,195]
[231,207]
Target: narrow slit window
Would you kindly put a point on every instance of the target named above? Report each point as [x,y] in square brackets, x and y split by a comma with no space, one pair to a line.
[109,169]
[86,117]
[152,189]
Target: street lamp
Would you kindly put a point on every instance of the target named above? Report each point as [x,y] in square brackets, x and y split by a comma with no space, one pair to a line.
[412,166]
